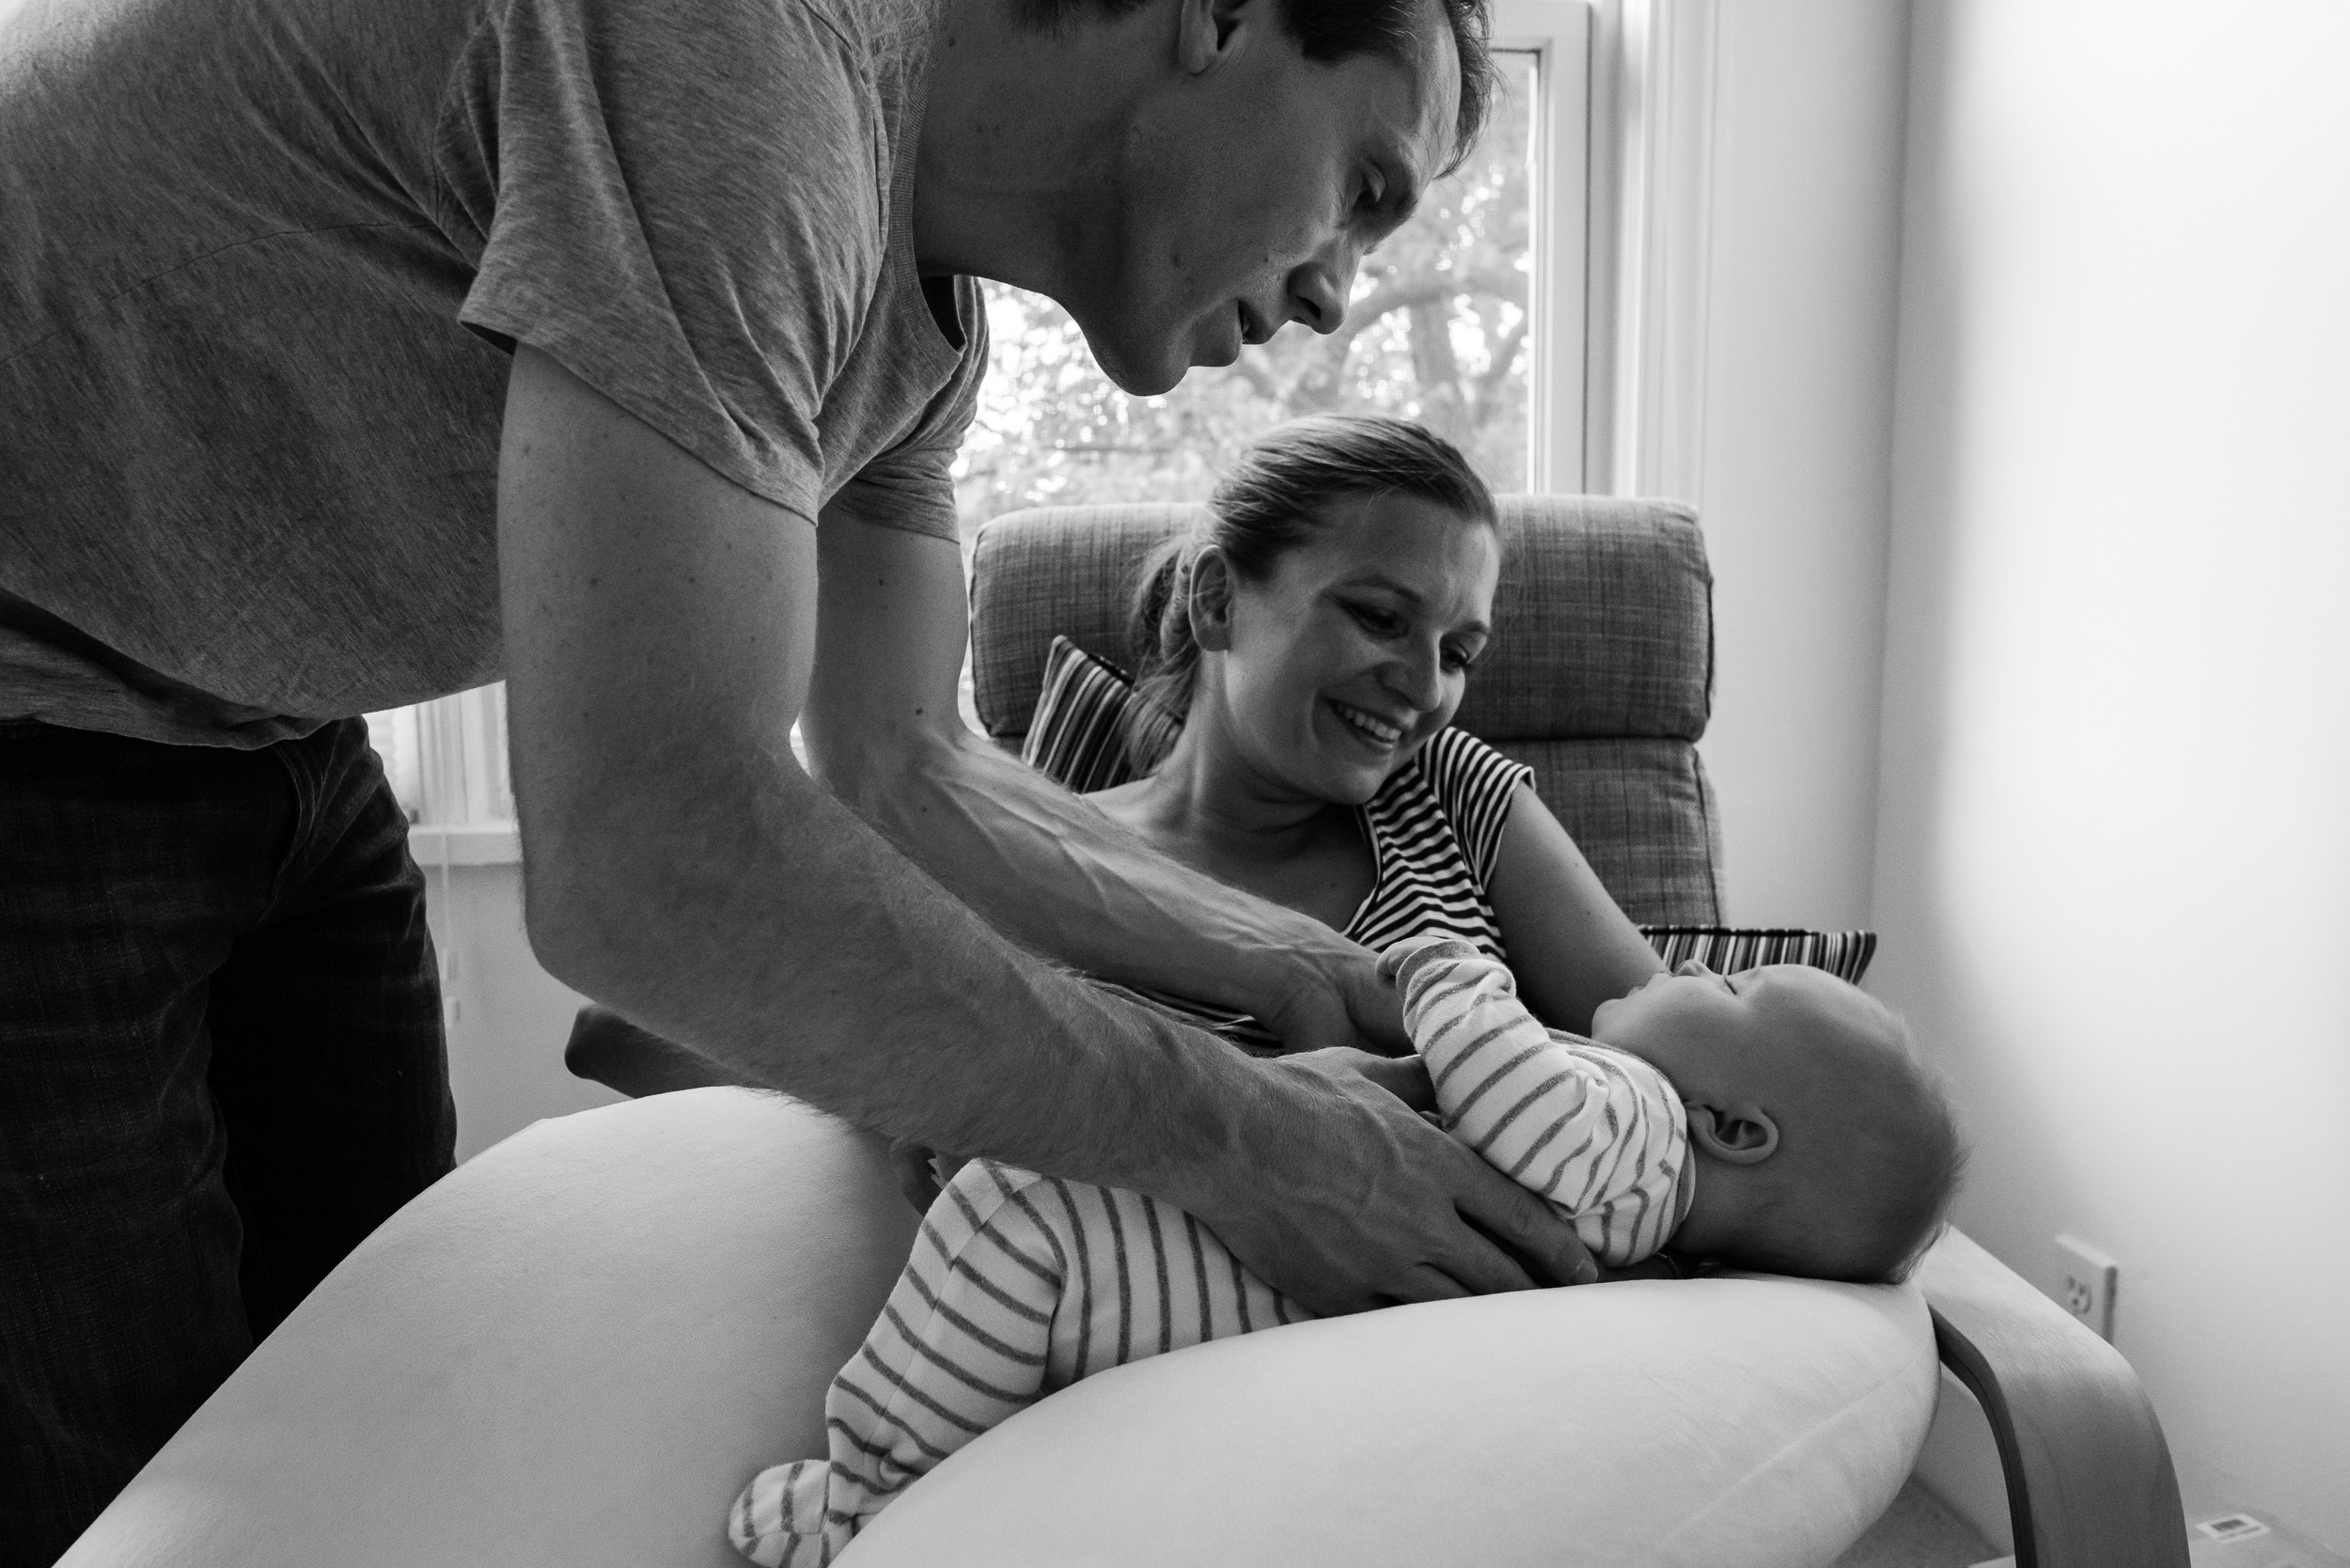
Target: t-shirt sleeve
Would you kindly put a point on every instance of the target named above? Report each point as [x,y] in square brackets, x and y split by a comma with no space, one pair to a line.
[912,485]
[1474,785]
[688,216]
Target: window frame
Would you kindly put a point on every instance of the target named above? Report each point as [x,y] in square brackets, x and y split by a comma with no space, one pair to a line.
[1559,34]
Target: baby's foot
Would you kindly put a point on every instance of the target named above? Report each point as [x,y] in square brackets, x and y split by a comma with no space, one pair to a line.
[783,1518]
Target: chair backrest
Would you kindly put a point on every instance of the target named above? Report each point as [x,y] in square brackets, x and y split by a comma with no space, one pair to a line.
[1601,675]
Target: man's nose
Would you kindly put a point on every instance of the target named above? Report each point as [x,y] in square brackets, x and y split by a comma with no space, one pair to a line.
[1319,292]
[1691,966]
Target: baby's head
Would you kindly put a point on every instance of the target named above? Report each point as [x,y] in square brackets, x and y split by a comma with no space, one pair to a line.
[1823,1147]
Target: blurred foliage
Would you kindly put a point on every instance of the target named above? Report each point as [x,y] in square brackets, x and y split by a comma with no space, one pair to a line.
[1436,330]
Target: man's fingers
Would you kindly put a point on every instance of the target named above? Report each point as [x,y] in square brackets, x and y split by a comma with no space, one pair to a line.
[1430,1283]
[1528,1229]
[1406,1077]
[1357,1201]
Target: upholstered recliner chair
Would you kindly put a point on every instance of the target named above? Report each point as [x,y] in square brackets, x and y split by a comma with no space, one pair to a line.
[576,1348]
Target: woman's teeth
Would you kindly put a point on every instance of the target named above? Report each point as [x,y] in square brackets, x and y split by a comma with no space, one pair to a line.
[1376,729]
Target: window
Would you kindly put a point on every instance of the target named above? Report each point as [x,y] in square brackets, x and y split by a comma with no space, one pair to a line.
[447,761]
[1475,319]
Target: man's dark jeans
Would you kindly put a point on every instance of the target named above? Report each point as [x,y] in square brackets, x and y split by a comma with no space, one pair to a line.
[221,1066]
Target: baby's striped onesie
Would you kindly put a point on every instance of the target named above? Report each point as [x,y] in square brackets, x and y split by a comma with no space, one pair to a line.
[1021,1284]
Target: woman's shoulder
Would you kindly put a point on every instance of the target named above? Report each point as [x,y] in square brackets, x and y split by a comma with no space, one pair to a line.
[1460,771]
[1452,802]
[1456,746]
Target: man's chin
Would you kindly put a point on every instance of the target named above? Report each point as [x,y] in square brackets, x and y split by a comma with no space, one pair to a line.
[1139,369]
[1144,381]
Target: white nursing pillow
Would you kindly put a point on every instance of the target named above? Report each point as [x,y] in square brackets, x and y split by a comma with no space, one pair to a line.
[1746,1421]
[575,1349]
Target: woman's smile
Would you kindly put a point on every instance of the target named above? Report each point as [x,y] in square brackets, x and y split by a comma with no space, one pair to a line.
[1379,734]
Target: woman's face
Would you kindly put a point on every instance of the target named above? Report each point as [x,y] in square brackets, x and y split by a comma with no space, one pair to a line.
[1358,647]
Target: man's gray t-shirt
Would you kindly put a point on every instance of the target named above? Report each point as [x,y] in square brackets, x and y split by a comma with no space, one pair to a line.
[261,262]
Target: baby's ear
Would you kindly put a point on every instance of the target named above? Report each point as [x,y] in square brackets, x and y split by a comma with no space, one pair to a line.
[1741,1135]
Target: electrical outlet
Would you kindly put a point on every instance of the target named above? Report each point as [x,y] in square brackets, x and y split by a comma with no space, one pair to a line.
[2086,1278]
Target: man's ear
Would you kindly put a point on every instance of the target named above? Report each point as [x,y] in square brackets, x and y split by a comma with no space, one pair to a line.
[1210,32]
[1212,601]
[1742,1135]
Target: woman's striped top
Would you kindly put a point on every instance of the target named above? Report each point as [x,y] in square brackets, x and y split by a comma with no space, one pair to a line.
[1434,831]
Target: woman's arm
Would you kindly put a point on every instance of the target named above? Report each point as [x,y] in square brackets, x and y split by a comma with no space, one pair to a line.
[1570,947]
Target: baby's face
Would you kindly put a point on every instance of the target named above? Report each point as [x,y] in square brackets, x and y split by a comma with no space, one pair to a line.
[1789,1076]
[1722,1033]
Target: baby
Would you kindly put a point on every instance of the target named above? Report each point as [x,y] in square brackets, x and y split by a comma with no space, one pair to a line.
[1773,1119]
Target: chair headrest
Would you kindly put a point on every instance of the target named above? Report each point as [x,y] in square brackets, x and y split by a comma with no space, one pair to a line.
[1602,624]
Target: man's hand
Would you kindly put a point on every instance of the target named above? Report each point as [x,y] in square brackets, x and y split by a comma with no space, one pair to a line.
[1344,1198]
[1347,1006]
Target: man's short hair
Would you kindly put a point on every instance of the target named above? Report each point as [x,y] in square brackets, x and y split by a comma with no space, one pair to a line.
[1335,30]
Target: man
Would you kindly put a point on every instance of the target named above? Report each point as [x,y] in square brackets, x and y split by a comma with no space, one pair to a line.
[353,356]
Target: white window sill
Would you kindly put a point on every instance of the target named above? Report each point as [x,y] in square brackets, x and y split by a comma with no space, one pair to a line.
[483,844]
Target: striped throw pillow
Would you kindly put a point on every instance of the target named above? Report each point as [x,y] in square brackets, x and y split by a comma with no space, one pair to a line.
[1089,723]
[1844,954]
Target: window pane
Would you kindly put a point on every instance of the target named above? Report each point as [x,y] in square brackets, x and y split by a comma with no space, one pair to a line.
[1436,331]
[447,759]
[392,733]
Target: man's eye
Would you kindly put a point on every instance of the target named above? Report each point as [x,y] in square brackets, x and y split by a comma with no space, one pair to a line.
[1461,659]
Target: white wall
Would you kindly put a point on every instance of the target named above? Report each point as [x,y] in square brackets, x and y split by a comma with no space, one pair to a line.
[510,1017]
[1798,437]
[2112,846]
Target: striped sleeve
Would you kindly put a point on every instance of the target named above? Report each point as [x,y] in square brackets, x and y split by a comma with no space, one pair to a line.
[1598,1132]
[1474,784]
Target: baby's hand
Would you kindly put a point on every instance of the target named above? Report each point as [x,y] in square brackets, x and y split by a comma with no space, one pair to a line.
[1392,962]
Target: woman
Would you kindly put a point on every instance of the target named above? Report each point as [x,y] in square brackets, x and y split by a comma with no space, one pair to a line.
[1314,637]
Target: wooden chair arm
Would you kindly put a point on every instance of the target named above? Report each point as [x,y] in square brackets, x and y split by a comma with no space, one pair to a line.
[2088,1477]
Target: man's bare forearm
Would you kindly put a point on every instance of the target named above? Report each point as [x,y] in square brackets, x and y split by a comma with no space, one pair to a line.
[769,929]
[1063,878]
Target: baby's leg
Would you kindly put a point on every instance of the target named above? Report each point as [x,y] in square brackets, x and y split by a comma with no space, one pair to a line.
[1144,1278]
[1018,1285]
[960,1345]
